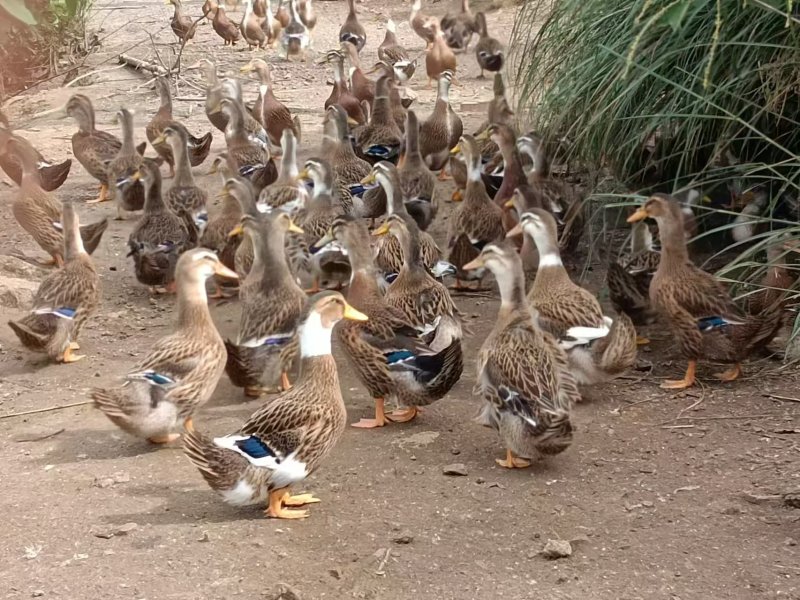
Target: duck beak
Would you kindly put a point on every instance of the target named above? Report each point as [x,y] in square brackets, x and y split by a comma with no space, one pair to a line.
[216,109]
[352,122]
[368,179]
[483,135]
[477,263]
[294,228]
[238,230]
[456,150]
[353,314]
[509,203]
[161,139]
[323,241]
[213,169]
[223,271]
[136,176]
[639,215]
[382,230]
[303,174]
[246,68]
[515,231]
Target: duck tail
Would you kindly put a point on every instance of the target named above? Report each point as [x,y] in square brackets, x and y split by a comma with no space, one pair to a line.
[220,467]
[110,402]
[618,354]
[558,435]
[29,337]
[625,294]
[439,372]
[768,324]
[244,365]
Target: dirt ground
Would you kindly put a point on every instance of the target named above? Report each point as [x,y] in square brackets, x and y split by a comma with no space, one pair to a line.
[662,495]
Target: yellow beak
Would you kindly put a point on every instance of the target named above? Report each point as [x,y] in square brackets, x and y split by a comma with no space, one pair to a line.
[294,228]
[640,214]
[238,230]
[509,203]
[136,176]
[216,109]
[223,271]
[303,174]
[455,150]
[161,139]
[483,135]
[382,230]
[352,122]
[476,263]
[368,179]
[353,314]
[515,231]
[247,68]
[324,240]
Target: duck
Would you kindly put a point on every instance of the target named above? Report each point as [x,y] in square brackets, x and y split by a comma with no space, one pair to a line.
[214,93]
[160,236]
[399,105]
[180,371]
[93,148]
[459,27]
[51,175]
[391,52]
[285,440]
[421,24]
[197,148]
[390,359]
[272,303]
[246,157]
[243,191]
[251,27]
[270,24]
[488,51]
[348,168]
[629,277]
[599,348]
[232,89]
[340,93]
[363,87]
[424,301]
[209,8]
[282,14]
[128,192]
[524,377]
[476,221]
[439,57]
[513,174]
[65,300]
[352,31]
[441,131]
[417,183]
[381,138]
[774,284]
[40,213]
[182,24]
[307,14]
[216,236]
[286,192]
[705,321]
[268,110]
[315,220]
[295,39]
[389,249]
[225,29]
[562,199]
[184,194]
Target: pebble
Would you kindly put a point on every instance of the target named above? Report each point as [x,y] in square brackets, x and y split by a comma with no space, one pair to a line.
[555,549]
[456,470]
[403,539]
[37,594]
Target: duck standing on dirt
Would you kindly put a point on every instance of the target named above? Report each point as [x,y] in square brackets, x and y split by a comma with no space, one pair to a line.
[284,441]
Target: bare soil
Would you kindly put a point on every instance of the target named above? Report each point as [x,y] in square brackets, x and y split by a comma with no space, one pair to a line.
[662,495]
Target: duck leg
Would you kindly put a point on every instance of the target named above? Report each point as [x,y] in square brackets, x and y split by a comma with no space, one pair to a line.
[457,196]
[164,439]
[103,197]
[299,500]
[378,421]
[443,176]
[74,346]
[285,383]
[314,286]
[69,357]
[275,507]
[188,424]
[512,462]
[642,341]
[403,415]
[730,374]
[687,381]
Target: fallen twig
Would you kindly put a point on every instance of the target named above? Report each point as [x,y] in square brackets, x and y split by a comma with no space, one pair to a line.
[784,398]
[190,98]
[142,65]
[39,438]
[382,564]
[727,417]
[48,409]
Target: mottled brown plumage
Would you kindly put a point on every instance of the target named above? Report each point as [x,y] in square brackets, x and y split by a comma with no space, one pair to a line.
[488,51]
[182,24]
[417,183]
[352,31]
[441,131]
[380,138]
[340,92]
[184,194]
[629,277]
[128,193]
[51,175]
[225,29]
[268,110]
[440,57]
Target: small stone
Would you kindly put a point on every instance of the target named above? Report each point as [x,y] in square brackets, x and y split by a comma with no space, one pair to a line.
[732,510]
[480,480]
[647,504]
[121,477]
[103,482]
[335,573]
[37,593]
[126,528]
[555,549]
[456,470]
[204,537]
[403,539]
[790,542]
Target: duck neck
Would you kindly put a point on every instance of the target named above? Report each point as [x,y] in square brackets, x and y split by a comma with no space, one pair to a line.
[352,8]
[73,243]
[511,282]
[673,239]
[551,269]
[289,170]
[381,110]
[183,168]
[412,249]
[413,155]
[128,147]
[269,261]
[541,166]
[163,93]
[153,202]
[465,6]
[193,311]
[394,200]
[364,278]
[85,118]
[235,128]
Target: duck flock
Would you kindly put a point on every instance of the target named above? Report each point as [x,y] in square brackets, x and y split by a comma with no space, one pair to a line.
[340,243]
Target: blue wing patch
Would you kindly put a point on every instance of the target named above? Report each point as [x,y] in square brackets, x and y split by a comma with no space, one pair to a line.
[383,152]
[715,322]
[254,447]
[396,356]
[62,312]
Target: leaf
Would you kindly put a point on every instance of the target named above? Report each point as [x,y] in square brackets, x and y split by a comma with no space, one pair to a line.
[674,15]
[18,10]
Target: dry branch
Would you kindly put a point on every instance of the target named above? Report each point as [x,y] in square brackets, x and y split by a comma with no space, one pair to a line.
[142,65]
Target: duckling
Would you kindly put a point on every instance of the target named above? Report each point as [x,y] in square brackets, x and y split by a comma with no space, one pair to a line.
[295,38]
[251,27]
[352,31]
[129,196]
[391,52]
[417,183]
[459,27]
[340,93]
[39,213]
[703,317]
[228,31]
[598,347]
[488,51]
[362,86]
[476,222]
[268,110]
[523,375]
[389,357]
[271,305]
[65,300]
[197,148]
[181,370]
[182,24]
[51,175]
[439,57]
[441,131]
[421,24]
[381,138]
[183,194]
[285,440]
[160,236]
